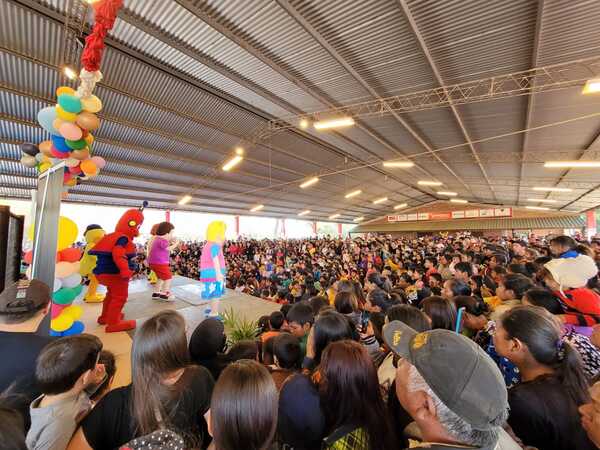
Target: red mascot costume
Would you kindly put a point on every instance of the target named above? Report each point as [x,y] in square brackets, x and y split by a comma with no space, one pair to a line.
[115,266]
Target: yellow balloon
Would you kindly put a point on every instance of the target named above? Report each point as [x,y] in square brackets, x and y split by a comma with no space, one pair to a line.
[65,90]
[67,234]
[91,104]
[89,139]
[64,115]
[73,311]
[45,166]
[62,322]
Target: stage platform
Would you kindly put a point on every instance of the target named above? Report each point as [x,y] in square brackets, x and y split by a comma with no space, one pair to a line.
[141,306]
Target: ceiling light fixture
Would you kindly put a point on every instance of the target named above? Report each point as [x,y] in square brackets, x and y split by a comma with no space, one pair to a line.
[304,213]
[309,182]
[184,200]
[353,193]
[541,200]
[334,123]
[399,164]
[257,208]
[591,86]
[458,200]
[430,183]
[571,164]
[401,205]
[334,216]
[447,193]
[304,123]
[69,72]
[552,189]
[359,219]
[380,200]
[538,208]
[232,163]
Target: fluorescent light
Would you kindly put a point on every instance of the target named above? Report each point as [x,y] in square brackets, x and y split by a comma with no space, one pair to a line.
[400,164]
[430,183]
[353,193]
[334,216]
[232,163]
[591,86]
[334,123]
[541,200]
[400,206]
[304,123]
[239,151]
[304,213]
[448,193]
[359,219]
[257,208]
[70,73]
[538,208]
[380,200]
[458,200]
[571,164]
[184,200]
[552,189]
[309,182]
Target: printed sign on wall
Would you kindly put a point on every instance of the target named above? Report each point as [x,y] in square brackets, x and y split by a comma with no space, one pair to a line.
[469,214]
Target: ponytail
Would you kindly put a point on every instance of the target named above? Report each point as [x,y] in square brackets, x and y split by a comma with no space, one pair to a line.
[570,372]
[538,329]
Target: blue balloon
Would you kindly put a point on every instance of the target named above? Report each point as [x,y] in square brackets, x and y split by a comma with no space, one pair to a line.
[57,333]
[60,144]
[46,119]
[76,328]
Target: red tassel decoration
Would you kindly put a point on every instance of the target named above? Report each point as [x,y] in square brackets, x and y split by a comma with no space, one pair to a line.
[105,16]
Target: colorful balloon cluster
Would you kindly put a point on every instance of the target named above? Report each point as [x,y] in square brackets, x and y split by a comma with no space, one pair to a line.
[67,282]
[70,124]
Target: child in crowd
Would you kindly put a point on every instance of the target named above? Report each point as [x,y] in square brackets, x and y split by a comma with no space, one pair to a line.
[159,251]
[300,319]
[65,368]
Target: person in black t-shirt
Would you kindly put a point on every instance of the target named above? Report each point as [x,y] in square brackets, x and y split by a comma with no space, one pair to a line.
[166,392]
[23,306]
[543,406]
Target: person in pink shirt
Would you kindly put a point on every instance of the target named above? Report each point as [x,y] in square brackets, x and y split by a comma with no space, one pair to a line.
[159,252]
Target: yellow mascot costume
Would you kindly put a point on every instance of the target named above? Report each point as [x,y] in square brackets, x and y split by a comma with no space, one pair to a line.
[93,234]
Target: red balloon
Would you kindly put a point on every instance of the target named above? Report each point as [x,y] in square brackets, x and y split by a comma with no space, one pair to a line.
[76,170]
[67,176]
[57,154]
[70,255]
[28,256]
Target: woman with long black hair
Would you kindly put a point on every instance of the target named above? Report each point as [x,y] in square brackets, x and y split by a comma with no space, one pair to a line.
[166,392]
[352,405]
[543,406]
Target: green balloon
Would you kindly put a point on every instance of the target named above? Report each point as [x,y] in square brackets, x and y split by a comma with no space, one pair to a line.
[76,145]
[70,103]
[65,296]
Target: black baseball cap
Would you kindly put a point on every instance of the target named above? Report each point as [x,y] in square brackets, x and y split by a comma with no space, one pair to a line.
[23,297]
[460,373]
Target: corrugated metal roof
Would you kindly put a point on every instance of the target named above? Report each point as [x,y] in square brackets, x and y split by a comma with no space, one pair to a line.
[186,81]
[537,223]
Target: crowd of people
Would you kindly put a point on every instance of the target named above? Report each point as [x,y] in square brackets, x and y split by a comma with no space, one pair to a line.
[442,342]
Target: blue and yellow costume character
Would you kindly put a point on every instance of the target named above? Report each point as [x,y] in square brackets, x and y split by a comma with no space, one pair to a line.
[93,234]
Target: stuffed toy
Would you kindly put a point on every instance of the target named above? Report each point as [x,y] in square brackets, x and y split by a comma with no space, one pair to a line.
[93,234]
[212,266]
[115,267]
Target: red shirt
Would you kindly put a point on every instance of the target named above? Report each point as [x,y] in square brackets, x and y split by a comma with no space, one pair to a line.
[582,306]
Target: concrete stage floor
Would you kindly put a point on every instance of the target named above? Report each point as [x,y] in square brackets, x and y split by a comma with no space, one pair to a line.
[140,306]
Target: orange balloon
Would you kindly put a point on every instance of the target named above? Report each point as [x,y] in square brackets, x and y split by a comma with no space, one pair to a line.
[57,123]
[82,154]
[65,90]
[89,167]
[71,183]
[88,121]
[28,257]
[64,195]
[89,139]
[70,254]
[45,148]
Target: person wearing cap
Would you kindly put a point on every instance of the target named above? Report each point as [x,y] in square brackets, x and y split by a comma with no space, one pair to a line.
[451,388]
[567,278]
[23,306]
